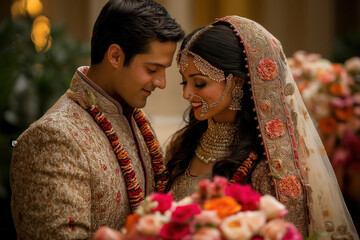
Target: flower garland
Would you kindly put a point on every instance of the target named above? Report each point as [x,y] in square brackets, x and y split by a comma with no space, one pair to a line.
[161,173]
[243,169]
[135,193]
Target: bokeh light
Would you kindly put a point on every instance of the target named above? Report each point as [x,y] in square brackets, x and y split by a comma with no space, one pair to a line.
[40,34]
[34,7]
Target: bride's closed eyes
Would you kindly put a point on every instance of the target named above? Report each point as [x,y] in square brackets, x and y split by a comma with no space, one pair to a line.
[198,83]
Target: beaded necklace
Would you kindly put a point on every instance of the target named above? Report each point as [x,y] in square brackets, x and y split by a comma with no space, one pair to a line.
[135,193]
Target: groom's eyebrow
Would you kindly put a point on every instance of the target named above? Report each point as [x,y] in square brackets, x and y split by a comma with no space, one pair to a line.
[158,64]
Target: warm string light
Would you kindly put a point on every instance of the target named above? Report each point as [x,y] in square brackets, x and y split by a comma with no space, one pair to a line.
[40,34]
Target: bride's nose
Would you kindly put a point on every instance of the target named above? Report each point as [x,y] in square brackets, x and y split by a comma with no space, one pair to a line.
[187,92]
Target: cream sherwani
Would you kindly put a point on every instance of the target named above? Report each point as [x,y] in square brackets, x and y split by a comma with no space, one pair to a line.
[65,178]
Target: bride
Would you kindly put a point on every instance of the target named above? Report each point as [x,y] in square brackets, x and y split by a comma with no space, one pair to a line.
[249,124]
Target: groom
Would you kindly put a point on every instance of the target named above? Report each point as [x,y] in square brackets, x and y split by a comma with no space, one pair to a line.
[86,162]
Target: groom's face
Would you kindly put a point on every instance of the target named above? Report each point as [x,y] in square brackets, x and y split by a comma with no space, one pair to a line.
[146,72]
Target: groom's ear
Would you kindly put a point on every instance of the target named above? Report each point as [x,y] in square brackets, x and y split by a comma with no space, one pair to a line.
[115,56]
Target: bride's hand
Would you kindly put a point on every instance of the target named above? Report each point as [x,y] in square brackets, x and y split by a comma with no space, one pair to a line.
[106,233]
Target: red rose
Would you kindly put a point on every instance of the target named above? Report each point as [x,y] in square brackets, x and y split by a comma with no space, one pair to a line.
[248,198]
[174,231]
[164,201]
[182,214]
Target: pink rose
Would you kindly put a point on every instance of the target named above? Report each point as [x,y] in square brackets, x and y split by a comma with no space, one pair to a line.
[207,233]
[205,218]
[164,201]
[174,231]
[217,187]
[149,226]
[292,233]
[272,207]
[204,185]
[182,214]
[248,198]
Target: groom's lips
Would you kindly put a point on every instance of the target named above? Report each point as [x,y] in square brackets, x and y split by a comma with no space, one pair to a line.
[147,92]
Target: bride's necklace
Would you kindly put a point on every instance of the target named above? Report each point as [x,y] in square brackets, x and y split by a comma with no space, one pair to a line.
[216,141]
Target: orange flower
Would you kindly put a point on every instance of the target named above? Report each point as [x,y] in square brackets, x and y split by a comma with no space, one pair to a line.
[344,113]
[336,89]
[327,125]
[224,206]
[131,221]
[302,85]
[338,68]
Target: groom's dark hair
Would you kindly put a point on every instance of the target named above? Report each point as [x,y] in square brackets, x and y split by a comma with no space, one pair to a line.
[132,24]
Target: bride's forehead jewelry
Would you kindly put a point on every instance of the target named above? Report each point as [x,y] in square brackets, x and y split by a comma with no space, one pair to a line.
[201,64]
[205,68]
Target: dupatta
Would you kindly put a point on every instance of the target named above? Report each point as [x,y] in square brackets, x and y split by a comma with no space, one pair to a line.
[301,173]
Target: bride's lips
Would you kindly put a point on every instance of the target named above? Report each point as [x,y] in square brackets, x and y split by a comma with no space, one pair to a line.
[196,105]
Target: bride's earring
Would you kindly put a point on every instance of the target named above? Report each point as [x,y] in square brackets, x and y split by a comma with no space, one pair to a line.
[237,93]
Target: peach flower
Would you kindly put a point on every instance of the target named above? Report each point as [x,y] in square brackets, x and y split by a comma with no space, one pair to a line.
[271,207]
[207,233]
[255,220]
[149,225]
[234,227]
[275,229]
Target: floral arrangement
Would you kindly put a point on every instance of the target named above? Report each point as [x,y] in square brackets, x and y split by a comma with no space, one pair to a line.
[216,210]
[330,93]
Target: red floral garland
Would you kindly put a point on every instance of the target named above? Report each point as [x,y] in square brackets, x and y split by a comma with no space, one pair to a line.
[244,168]
[161,173]
[134,191]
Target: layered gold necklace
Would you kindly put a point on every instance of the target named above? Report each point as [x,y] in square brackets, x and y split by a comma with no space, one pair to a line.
[216,141]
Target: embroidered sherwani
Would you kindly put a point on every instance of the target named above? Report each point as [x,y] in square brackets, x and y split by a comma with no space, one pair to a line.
[65,178]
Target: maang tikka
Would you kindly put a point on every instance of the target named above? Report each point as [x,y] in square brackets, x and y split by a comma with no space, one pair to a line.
[205,68]
[236,94]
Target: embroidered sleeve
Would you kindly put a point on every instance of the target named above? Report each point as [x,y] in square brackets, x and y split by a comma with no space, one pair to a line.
[50,190]
[260,179]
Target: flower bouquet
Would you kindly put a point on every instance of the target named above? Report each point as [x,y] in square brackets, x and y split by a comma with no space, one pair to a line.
[216,210]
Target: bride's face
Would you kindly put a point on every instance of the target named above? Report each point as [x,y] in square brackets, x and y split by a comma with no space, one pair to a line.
[200,91]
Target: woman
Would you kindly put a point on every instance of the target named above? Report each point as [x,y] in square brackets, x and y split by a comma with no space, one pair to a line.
[249,124]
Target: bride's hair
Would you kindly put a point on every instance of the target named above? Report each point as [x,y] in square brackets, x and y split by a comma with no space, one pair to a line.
[221,48]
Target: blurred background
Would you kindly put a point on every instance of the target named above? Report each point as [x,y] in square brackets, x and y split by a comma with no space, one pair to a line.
[42,42]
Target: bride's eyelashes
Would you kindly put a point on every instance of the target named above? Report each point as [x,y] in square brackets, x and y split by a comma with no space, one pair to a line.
[197,85]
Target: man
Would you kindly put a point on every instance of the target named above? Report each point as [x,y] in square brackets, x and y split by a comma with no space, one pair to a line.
[86,162]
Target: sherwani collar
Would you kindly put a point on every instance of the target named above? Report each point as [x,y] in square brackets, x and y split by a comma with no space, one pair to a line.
[105,102]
